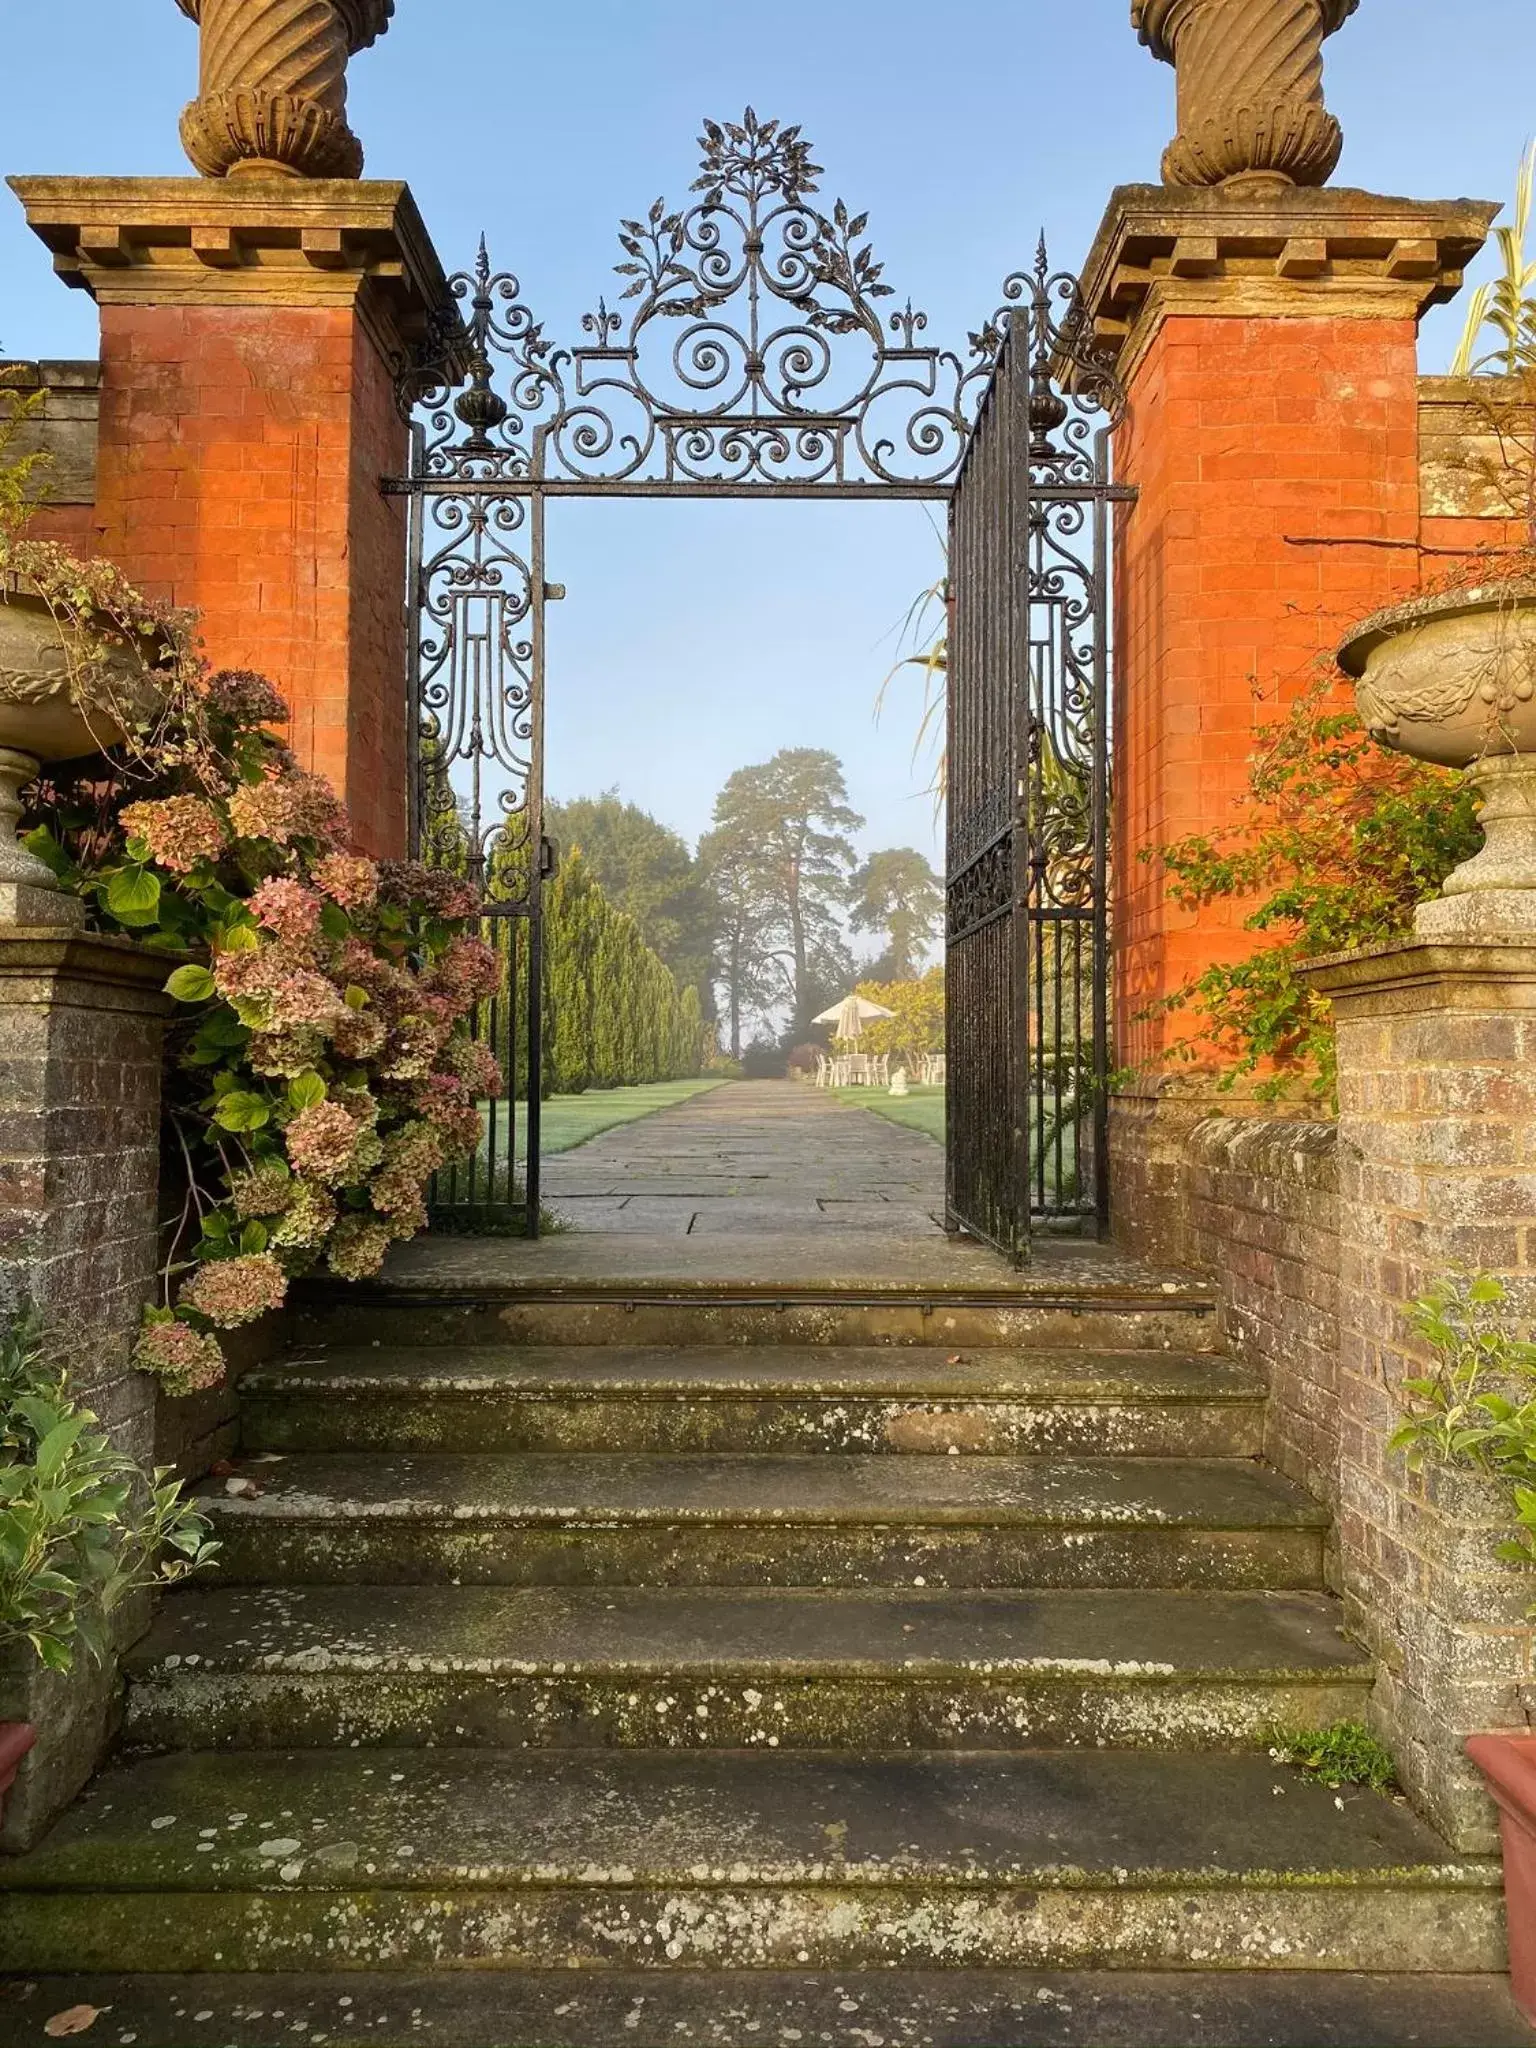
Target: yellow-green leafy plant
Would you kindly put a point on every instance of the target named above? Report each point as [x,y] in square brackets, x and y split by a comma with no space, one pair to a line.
[1505,309]
[82,1527]
[1345,1754]
[1475,1410]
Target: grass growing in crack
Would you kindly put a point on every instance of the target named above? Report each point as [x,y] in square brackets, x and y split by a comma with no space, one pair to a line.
[1345,1754]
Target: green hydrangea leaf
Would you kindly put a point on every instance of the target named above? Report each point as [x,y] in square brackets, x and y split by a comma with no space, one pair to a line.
[191,985]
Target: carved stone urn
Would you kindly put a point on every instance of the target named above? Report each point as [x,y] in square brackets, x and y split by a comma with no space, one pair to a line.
[1250,73]
[272,101]
[47,714]
[1451,679]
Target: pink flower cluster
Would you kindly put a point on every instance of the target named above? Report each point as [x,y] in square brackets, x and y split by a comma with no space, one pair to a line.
[179,831]
[474,1064]
[244,698]
[287,908]
[185,1360]
[331,984]
[323,1143]
[230,1292]
[348,879]
[286,807]
[468,972]
[404,882]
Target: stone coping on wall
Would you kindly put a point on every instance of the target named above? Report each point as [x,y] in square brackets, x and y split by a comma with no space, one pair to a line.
[1467,974]
[245,242]
[1331,253]
[52,953]
[1475,441]
[65,427]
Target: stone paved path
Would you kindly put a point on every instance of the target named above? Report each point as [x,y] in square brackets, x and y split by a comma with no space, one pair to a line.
[753,1158]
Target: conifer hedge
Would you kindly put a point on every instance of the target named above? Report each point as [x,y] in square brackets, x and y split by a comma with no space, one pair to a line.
[614,1015]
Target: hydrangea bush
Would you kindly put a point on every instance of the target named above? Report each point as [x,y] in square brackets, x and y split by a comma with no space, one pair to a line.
[320,1069]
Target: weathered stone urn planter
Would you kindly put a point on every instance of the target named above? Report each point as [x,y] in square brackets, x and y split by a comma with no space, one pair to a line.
[49,711]
[1508,1762]
[1451,679]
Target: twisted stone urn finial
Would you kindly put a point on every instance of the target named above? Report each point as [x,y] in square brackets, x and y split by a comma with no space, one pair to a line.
[272,98]
[1250,88]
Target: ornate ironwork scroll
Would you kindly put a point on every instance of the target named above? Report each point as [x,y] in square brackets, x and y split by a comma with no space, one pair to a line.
[750,347]
[1029,709]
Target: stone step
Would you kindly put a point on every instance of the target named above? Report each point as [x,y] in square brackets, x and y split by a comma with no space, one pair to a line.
[791,1398]
[390,1859]
[547,1667]
[1049,1311]
[776,2008]
[545,1519]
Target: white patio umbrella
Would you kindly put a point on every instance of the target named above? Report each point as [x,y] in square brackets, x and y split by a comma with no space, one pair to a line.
[849,1017]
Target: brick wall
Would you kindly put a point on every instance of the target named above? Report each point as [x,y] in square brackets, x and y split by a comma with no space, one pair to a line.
[241,452]
[80,1043]
[1258,446]
[1251,1202]
[1437,1147]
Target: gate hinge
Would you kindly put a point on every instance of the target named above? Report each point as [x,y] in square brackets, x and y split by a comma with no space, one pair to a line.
[553,592]
[549,859]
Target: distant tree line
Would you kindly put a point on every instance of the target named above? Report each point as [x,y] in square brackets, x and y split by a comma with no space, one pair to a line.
[756,924]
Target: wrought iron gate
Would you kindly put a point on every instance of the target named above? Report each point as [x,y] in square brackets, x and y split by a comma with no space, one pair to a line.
[750,356]
[1027,979]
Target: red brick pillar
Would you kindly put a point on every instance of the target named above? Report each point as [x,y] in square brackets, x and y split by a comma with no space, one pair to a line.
[250,335]
[1268,344]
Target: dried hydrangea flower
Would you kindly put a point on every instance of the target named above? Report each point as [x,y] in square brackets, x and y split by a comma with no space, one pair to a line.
[286,907]
[310,1219]
[245,698]
[184,1360]
[180,831]
[348,879]
[230,1292]
[357,1247]
[322,1143]
[267,1190]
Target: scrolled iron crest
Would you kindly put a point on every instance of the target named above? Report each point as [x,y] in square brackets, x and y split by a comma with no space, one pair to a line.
[748,343]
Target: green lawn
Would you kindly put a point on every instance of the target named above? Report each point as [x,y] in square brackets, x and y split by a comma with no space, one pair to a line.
[921,1110]
[570,1120]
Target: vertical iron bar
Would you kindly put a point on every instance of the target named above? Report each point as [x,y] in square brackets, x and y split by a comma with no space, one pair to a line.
[535,1061]
[1016,594]
[415,597]
[1103,571]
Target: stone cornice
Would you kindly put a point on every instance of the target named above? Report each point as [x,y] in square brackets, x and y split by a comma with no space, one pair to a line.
[241,242]
[1462,974]
[1298,254]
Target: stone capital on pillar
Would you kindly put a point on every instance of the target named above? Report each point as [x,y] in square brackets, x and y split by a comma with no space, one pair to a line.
[252,332]
[1296,253]
[310,244]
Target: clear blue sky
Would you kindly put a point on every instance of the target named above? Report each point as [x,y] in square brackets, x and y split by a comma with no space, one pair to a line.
[697,638]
